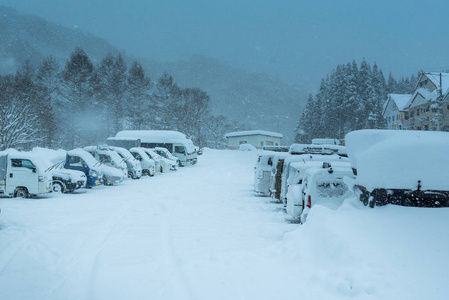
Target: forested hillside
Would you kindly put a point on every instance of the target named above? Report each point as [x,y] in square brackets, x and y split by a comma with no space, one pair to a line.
[350,98]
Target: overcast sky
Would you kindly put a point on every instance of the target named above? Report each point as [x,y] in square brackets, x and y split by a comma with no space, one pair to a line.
[297,41]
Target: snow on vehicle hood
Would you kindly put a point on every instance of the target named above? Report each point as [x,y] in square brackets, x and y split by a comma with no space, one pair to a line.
[398,159]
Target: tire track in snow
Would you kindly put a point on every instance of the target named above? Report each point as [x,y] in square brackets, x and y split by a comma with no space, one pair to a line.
[174,271]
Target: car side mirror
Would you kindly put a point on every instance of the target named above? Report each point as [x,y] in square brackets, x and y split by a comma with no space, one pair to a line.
[34,169]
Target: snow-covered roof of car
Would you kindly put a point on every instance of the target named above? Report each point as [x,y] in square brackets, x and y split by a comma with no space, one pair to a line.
[319,164]
[253,132]
[397,159]
[86,156]
[297,149]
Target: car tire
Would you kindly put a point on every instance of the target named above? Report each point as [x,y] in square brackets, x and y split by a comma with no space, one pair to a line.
[21,193]
[58,187]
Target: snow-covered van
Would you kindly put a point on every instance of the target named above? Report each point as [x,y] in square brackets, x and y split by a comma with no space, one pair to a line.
[148,165]
[134,166]
[314,183]
[262,173]
[22,175]
[402,167]
[175,142]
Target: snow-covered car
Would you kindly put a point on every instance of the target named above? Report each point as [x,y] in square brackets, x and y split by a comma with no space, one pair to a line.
[66,180]
[310,185]
[305,158]
[262,173]
[166,154]
[148,165]
[247,147]
[134,166]
[81,160]
[165,165]
[400,167]
[108,157]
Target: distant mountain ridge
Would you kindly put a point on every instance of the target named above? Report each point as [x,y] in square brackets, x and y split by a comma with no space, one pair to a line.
[257,100]
[26,37]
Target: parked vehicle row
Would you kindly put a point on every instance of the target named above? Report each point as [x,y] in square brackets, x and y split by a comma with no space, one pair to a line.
[27,174]
[306,175]
[380,167]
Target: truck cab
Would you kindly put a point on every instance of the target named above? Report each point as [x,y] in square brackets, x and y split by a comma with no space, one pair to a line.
[21,175]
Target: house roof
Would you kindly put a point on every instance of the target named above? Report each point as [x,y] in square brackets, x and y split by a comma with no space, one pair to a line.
[426,94]
[435,78]
[401,101]
[253,132]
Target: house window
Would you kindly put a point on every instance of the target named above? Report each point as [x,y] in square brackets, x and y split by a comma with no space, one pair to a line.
[412,114]
[393,119]
[417,112]
[243,142]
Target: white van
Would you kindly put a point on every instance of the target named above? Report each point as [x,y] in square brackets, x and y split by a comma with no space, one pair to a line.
[175,142]
[22,175]
[262,173]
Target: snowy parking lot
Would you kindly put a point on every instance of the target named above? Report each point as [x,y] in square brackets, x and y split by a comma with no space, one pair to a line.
[201,233]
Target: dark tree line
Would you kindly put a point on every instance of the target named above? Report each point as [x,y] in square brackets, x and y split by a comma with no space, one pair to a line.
[83,103]
[350,98]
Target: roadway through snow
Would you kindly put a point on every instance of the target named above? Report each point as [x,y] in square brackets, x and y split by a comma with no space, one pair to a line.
[197,233]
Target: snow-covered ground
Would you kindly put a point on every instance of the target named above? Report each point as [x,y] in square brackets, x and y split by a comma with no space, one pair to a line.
[201,233]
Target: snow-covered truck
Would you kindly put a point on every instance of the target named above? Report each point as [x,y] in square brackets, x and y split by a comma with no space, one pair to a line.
[175,142]
[22,175]
[408,168]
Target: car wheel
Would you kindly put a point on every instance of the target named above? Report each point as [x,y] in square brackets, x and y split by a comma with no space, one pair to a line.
[58,187]
[130,175]
[21,193]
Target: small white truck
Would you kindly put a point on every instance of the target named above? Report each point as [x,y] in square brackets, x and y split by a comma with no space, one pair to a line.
[22,175]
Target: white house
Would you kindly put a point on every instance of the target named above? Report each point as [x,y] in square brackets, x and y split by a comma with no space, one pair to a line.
[394,110]
[257,138]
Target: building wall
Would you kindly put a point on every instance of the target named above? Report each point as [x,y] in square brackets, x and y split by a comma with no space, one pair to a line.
[426,83]
[257,141]
[394,117]
[423,117]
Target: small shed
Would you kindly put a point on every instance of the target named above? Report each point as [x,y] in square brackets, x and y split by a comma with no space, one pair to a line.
[257,138]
